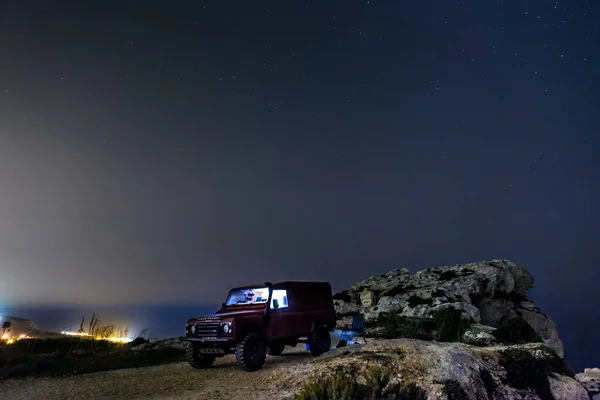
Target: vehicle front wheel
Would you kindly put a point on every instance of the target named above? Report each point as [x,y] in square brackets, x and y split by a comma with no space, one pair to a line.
[319,341]
[251,352]
[198,360]
[276,348]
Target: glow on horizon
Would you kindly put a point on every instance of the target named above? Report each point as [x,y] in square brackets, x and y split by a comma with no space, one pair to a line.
[110,339]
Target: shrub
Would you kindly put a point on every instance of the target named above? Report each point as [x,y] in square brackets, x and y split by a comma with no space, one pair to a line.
[339,386]
[76,355]
[450,324]
[377,380]
[408,391]
[515,331]
[344,386]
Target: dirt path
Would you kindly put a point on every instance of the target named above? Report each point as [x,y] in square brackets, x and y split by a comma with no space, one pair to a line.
[169,382]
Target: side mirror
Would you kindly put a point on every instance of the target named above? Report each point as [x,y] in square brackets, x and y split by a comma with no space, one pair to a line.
[275,303]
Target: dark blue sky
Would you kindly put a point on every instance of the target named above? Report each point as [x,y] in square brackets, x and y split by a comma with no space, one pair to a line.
[159,153]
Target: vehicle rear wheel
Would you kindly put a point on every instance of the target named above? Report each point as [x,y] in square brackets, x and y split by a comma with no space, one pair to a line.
[275,348]
[198,360]
[251,352]
[319,341]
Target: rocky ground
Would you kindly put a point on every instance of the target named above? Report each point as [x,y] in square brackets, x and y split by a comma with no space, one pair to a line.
[176,381]
[444,371]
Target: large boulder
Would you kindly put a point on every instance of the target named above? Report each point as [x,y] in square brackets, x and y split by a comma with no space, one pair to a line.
[486,292]
[590,379]
[494,311]
[545,328]
[416,369]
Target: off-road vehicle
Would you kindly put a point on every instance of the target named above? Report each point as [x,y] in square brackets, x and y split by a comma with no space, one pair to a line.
[260,319]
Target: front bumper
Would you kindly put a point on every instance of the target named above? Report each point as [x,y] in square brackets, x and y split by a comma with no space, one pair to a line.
[205,339]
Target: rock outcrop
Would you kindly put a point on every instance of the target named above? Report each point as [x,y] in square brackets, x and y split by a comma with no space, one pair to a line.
[416,369]
[590,379]
[487,294]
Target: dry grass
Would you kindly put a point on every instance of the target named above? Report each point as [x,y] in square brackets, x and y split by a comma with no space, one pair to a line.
[76,355]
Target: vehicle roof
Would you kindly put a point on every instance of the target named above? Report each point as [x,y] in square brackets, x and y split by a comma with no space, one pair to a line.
[285,284]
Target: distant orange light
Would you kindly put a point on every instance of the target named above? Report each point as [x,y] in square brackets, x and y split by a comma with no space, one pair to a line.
[110,339]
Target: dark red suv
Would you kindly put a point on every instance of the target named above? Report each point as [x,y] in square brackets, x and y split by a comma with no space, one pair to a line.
[263,318]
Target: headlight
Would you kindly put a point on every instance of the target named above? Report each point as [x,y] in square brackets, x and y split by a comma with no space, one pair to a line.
[193,328]
[226,328]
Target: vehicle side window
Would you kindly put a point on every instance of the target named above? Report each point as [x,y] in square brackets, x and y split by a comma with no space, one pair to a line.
[279,299]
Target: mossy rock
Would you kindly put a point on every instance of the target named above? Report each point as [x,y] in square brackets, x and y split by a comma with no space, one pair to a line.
[450,324]
[397,326]
[525,371]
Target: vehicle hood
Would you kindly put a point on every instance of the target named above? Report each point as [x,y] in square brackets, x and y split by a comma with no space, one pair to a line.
[223,315]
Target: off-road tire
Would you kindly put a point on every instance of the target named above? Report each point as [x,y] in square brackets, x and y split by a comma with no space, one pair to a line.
[251,352]
[275,348]
[198,360]
[319,341]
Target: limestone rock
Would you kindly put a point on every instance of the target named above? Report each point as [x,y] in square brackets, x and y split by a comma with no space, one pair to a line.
[488,292]
[440,368]
[565,388]
[523,279]
[344,323]
[493,311]
[545,328]
[590,379]
[479,335]
[384,282]
[368,298]
[343,308]
[468,310]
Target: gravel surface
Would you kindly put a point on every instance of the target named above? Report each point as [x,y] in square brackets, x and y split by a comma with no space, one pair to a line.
[169,382]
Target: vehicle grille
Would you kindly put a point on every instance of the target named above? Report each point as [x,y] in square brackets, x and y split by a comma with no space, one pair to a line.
[207,329]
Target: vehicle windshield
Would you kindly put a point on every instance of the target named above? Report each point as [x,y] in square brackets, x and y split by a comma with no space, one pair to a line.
[240,297]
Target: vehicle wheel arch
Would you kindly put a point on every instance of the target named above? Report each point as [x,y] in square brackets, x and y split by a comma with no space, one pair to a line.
[251,328]
[317,323]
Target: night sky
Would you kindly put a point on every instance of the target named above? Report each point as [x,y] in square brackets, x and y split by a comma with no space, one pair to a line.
[159,152]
